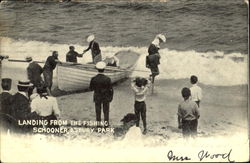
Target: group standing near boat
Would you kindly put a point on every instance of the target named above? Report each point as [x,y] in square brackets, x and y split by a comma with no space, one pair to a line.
[26,105]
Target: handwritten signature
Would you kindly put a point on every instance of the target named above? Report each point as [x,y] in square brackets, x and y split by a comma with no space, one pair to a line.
[201,156]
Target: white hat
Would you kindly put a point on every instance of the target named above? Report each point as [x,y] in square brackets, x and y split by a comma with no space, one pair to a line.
[100,65]
[162,37]
[90,38]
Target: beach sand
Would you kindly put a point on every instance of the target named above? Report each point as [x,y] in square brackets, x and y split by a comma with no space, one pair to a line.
[223,108]
[223,125]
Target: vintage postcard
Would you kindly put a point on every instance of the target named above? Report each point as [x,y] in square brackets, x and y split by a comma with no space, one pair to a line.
[124,81]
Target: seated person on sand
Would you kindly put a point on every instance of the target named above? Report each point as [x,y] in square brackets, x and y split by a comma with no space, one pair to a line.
[112,61]
[45,106]
[129,128]
[72,55]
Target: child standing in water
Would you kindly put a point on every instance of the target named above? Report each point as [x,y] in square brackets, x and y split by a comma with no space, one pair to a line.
[188,114]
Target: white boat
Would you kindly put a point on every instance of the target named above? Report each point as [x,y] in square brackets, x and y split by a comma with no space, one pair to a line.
[76,77]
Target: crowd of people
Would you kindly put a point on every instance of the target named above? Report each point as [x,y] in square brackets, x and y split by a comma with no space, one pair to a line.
[26,104]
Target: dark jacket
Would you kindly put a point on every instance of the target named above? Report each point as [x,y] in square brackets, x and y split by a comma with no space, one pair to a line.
[50,63]
[21,107]
[6,100]
[71,56]
[102,87]
[34,71]
[95,49]
[152,61]
[152,49]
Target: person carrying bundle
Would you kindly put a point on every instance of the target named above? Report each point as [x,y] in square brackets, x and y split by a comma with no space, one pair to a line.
[153,58]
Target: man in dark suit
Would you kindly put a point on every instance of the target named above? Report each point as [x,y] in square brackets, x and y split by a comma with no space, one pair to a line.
[21,107]
[6,100]
[103,92]
[34,71]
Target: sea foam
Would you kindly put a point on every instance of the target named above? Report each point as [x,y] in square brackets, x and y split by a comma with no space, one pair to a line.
[212,68]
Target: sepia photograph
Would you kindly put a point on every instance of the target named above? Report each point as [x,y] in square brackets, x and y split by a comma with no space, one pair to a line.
[124,81]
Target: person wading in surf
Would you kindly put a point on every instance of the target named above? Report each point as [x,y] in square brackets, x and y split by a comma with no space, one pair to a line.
[153,58]
[95,49]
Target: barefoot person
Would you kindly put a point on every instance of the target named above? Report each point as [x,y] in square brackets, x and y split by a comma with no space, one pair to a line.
[95,49]
[103,92]
[188,114]
[72,55]
[196,91]
[48,68]
[153,58]
[140,87]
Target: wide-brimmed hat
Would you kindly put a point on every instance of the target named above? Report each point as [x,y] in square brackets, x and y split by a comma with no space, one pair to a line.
[90,38]
[161,37]
[28,58]
[100,65]
[24,83]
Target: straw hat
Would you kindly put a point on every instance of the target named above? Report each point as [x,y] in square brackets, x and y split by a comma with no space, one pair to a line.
[161,37]
[28,58]
[90,38]
[100,65]
[24,83]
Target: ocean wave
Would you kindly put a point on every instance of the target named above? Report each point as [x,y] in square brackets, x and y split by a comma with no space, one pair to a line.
[212,68]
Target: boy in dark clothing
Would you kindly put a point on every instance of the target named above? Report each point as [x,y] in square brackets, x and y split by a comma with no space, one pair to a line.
[188,114]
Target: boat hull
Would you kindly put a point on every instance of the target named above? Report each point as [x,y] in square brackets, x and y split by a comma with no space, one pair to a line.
[76,77]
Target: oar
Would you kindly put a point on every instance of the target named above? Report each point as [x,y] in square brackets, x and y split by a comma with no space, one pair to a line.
[82,65]
[21,60]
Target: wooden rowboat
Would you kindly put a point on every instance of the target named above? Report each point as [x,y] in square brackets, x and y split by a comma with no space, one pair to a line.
[76,77]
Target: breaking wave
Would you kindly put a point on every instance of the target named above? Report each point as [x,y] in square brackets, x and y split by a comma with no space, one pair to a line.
[212,68]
